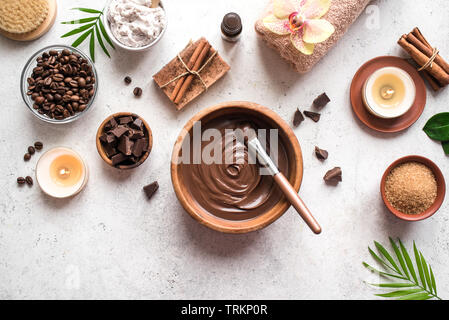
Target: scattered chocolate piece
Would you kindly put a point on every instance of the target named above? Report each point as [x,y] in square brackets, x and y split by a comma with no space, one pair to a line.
[31,150]
[151,189]
[137,124]
[29,180]
[298,118]
[27,156]
[125,120]
[333,175]
[312,115]
[21,180]
[38,145]
[111,124]
[119,131]
[138,147]
[118,158]
[321,154]
[321,101]
[137,91]
[127,79]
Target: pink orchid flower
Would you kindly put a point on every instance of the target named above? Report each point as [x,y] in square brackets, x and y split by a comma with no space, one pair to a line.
[302,20]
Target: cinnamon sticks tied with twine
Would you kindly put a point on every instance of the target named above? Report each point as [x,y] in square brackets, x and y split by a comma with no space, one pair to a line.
[430,64]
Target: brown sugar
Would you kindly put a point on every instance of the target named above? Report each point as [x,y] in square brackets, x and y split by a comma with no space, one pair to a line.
[411,188]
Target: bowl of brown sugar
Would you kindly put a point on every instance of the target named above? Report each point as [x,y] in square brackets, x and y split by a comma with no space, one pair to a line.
[413,188]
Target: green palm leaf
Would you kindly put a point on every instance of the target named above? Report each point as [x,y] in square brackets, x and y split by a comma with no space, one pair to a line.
[88,10]
[399,256]
[419,265]
[80,21]
[426,272]
[78,30]
[385,253]
[78,41]
[408,261]
[399,293]
[417,296]
[378,259]
[393,285]
[100,41]
[432,278]
[105,35]
[385,274]
[92,45]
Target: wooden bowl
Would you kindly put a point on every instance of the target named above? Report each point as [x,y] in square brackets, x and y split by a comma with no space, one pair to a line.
[102,153]
[294,155]
[441,189]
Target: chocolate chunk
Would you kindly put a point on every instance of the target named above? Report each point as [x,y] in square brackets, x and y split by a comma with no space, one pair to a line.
[151,189]
[108,138]
[138,147]
[111,124]
[110,150]
[333,175]
[312,115]
[146,144]
[119,131]
[125,145]
[136,134]
[321,154]
[125,120]
[298,118]
[321,101]
[137,124]
[118,158]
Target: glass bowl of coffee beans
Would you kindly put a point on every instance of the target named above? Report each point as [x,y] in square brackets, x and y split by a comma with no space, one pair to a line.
[59,84]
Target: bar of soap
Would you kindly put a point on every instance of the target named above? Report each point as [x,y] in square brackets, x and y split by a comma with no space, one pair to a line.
[341,14]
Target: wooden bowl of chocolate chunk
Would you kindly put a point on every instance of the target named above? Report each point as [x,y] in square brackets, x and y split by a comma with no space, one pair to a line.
[124,140]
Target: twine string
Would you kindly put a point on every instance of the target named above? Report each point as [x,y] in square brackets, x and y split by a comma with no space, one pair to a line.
[429,63]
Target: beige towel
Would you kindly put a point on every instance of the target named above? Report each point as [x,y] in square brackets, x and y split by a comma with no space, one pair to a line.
[342,14]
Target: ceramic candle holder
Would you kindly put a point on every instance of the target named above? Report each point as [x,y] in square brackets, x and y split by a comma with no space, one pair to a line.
[61,173]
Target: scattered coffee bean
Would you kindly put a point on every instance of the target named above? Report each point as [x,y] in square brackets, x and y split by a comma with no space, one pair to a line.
[151,189]
[312,115]
[298,118]
[29,180]
[334,175]
[137,91]
[127,80]
[27,156]
[31,150]
[321,154]
[321,101]
[21,180]
[38,145]
[60,81]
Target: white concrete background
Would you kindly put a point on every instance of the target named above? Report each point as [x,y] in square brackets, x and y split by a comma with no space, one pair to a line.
[110,242]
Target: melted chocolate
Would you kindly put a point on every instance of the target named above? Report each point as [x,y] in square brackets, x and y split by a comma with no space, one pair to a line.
[233,190]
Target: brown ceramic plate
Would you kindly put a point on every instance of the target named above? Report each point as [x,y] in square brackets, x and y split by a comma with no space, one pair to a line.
[102,153]
[294,176]
[441,188]
[387,125]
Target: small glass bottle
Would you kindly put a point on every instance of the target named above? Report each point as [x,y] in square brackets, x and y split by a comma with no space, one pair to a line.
[231,27]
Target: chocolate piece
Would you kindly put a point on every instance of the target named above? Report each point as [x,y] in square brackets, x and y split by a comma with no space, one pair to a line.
[125,145]
[151,189]
[321,101]
[137,124]
[298,118]
[118,158]
[135,134]
[110,150]
[146,144]
[111,124]
[138,147]
[108,138]
[119,131]
[321,154]
[312,115]
[333,175]
[125,120]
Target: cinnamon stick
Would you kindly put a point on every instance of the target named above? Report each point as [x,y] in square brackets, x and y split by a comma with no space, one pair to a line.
[435,70]
[190,64]
[428,51]
[196,67]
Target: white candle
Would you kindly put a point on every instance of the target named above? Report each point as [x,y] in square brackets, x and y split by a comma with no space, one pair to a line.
[61,172]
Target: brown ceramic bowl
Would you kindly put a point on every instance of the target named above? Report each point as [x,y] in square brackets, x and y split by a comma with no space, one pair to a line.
[441,189]
[294,155]
[102,153]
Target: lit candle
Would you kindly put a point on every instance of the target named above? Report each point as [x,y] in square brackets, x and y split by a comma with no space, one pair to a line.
[389,92]
[61,173]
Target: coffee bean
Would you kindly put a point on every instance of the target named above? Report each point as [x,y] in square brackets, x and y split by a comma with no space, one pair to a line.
[29,180]
[38,145]
[127,80]
[27,156]
[137,91]
[21,180]
[31,150]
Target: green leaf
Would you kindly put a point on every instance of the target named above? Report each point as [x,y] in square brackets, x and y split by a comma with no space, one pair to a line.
[417,296]
[78,30]
[83,37]
[393,285]
[399,293]
[80,21]
[426,272]
[408,261]
[100,41]
[445,145]
[88,10]
[92,45]
[385,253]
[378,259]
[419,265]
[399,256]
[432,278]
[385,274]
[104,33]
[437,127]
